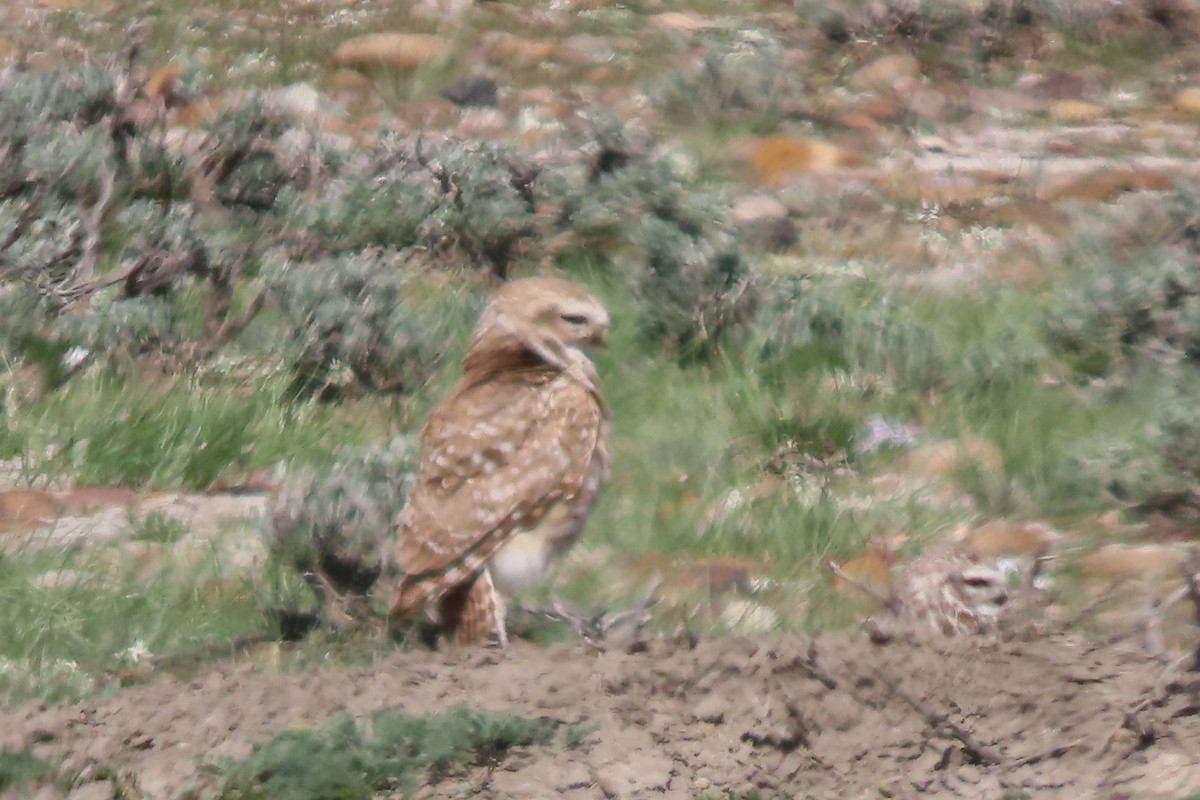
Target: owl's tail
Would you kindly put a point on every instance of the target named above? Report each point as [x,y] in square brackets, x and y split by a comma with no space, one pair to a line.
[469,611]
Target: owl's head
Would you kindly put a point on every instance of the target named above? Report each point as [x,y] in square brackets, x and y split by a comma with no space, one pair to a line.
[551,320]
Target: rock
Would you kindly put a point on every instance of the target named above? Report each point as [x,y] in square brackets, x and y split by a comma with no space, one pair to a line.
[584,49]
[764,219]
[347,80]
[60,579]
[483,123]
[868,572]
[1003,537]
[505,48]
[1187,101]
[757,208]
[927,103]
[883,72]
[712,576]
[711,709]
[26,509]
[301,100]
[405,51]
[1116,560]
[193,115]
[9,51]
[90,499]
[776,158]
[473,91]
[748,617]
[1075,112]
[160,84]
[835,28]
[679,22]
[1055,86]
[1107,184]
[943,460]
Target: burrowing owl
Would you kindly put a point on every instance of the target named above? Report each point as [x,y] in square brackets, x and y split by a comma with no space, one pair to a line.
[951,590]
[511,460]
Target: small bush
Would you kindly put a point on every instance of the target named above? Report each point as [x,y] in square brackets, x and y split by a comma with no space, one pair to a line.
[361,321]
[737,73]
[1153,464]
[806,324]
[340,760]
[339,524]
[20,768]
[693,283]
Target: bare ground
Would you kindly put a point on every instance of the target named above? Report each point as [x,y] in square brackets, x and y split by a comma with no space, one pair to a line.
[833,716]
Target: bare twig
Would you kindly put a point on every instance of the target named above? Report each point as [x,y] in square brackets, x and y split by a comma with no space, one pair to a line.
[1054,752]
[941,722]
[887,601]
[1149,627]
[85,270]
[1190,569]
[1109,592]
[28,216]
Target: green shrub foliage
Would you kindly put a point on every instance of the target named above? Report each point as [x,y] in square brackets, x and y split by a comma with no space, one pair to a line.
[337,526]
[345,759]
[122,238]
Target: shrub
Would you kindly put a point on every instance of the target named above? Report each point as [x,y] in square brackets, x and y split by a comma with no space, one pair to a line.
[1153,466]
[341,760]
[737,73]
[693,284]
[1106,312]
[806,324]
[360,321]
[337,527]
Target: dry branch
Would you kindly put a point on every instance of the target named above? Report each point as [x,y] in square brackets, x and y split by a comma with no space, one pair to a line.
[1190,568]
[942,722]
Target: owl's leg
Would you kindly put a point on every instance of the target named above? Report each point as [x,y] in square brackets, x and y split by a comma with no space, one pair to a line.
[474,610]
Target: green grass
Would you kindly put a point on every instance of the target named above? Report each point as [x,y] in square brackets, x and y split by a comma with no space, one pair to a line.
[19,769]
[349,761]
[71,617]
[176,432]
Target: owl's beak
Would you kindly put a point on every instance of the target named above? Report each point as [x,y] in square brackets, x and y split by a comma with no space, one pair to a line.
[598,337]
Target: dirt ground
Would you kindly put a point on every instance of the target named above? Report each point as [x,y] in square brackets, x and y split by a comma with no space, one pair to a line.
[833,716]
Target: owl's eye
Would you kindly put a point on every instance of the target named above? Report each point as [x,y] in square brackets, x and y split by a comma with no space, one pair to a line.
[574,319]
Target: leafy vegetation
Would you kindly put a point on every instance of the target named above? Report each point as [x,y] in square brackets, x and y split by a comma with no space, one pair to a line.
[19,768]
[261,294]
[344,759]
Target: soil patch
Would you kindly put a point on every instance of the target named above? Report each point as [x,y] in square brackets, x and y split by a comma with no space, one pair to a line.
[832,716]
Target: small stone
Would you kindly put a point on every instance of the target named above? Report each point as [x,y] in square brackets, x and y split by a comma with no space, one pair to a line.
[25,509]
[406,51]
[1003,537]
[775,158]
[477,91]
[90,499]
[1075,112]
[9,51]
[943,460]
[1187,101]
[835,28]
[1142,560]
[883,72]
[347,80]
[757,208]
[1106,185]
[300,100]
[711,709]
[679,22]
[747,617]
[160,84]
